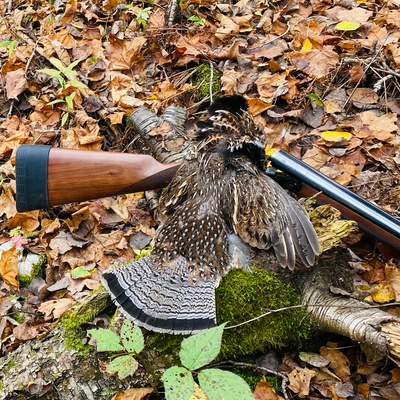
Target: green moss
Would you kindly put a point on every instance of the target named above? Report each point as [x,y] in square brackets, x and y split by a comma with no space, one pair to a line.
[202,79]
[35,271]
[243,296]
[86,312]
[9,366]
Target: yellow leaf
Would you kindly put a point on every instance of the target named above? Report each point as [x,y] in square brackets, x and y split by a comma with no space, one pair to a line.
[336,136]
[347,26]
[198,393]
[307,46]
[8,267]
[383,293]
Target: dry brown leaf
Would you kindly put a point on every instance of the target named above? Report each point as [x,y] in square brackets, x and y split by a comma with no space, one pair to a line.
[381,127]
[198,393]
[9,267]
[269,50]
[316,63]
[28,221]
[124,54]
[25,331]
[54,309]
[7,204]
[300,381]
[16,83]
[265,391]
[339,362]
[133,394]
[316,158]
[355,14]
[364,96]
[227,29]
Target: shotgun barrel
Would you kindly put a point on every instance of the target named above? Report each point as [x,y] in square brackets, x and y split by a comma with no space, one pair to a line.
[371,219]
[48,176]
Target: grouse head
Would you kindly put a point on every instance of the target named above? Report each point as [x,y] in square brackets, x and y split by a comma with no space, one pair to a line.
[231,130]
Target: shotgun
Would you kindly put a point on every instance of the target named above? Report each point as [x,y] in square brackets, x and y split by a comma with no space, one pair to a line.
[48,176]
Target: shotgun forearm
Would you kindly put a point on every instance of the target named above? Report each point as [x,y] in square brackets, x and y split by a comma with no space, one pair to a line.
[49,176]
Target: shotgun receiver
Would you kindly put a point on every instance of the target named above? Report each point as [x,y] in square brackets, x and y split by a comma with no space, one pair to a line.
[49,176]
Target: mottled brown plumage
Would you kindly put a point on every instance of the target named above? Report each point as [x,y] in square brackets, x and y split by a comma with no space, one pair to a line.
[218,207]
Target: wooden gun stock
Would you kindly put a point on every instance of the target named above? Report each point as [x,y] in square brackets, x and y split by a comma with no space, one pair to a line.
[49,176]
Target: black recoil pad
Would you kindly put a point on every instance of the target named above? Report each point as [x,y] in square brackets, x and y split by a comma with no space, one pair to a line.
[31,163]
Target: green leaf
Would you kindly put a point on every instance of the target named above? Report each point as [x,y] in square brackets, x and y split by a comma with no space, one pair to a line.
[57,63]
[15,231]
[69,100]
[77,84]
[178,383]
[54,74]
[80,272]
[56,101]
[68,70]
[347,26]
[132,337]
[217,383]
[64,119]
[11,48]
[5,43]
[106,340]
[201,348]
[316,98]
[123,365]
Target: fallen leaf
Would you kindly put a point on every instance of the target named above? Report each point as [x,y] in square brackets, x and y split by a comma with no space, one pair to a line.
[133,394]
[54,309]
[28,221]
[265,391]
[300,381]
[26,331]
[9,267]
[336,138]
[339,362]
[383,293]
[16,83]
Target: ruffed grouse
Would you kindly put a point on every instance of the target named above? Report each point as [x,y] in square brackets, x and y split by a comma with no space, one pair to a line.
[218,206]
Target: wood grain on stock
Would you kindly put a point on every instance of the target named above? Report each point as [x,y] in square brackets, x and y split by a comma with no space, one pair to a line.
[79,175]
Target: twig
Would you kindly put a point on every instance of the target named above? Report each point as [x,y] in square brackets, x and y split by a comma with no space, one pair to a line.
[10,109]
[364,72]
[388,71]
[30,58]
[211,81]
[378,84]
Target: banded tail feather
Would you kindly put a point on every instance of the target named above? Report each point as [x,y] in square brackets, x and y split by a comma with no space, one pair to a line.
[161,301]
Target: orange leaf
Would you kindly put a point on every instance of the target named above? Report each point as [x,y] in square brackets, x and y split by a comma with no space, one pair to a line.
[9,267]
